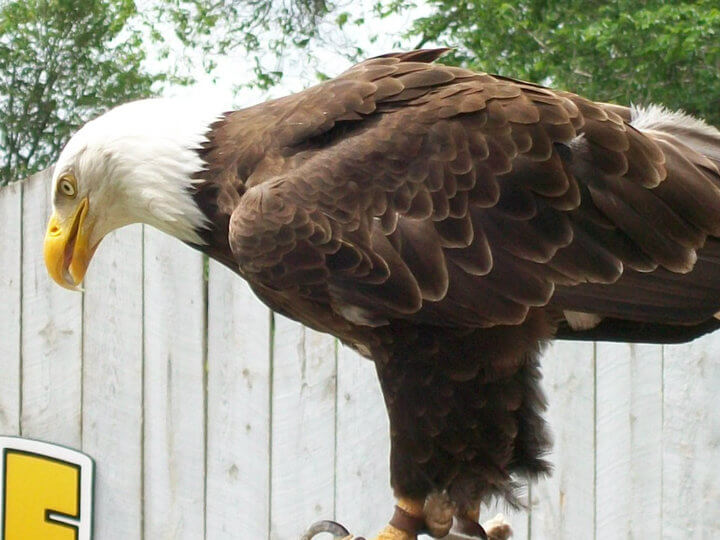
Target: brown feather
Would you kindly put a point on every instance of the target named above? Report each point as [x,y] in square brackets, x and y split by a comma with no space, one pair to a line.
[441,221]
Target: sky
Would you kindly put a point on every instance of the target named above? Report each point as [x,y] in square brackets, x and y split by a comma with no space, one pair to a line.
[299,69]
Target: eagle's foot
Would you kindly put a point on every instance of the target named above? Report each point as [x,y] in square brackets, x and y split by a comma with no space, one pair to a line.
[497,528]
[439,511]
[341,533]
[407,521]
[391,532]
[468,528]
[405,524]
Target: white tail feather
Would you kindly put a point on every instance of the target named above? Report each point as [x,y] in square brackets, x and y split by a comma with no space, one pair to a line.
[691,131]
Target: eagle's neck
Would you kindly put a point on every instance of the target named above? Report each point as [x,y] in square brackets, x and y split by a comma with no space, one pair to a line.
[169,165]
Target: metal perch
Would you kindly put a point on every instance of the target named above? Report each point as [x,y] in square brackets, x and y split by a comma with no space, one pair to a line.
[497,529]
[326,526]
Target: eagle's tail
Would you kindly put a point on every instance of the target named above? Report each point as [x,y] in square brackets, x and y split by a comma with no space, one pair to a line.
[689,130]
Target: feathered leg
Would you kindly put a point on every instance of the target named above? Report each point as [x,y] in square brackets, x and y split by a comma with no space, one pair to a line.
[407,521]
[467,526]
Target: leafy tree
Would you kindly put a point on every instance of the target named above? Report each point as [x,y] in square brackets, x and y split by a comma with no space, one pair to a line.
[662,51]
[64,61]
[60,62]
[263,29]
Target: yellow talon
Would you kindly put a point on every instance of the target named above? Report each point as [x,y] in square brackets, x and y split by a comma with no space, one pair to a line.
[392,533]
[405,524]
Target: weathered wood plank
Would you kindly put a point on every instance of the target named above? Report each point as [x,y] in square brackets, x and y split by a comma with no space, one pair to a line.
[238,446]
[364,499]
[10,308]
[324,450]
[563,505]
[691,439]
[629,440]
[303,428]
[51,334]
[112,382]
[174,389]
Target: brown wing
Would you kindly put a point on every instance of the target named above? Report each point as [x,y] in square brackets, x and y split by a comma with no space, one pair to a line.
[411,190]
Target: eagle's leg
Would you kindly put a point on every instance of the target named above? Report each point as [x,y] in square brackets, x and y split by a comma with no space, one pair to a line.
[467,523]
[434,516]
[497,528]
[438,512]
[407,521]
[473,513]
[465,410]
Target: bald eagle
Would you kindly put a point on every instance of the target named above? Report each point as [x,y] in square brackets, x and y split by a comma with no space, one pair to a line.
[442,222]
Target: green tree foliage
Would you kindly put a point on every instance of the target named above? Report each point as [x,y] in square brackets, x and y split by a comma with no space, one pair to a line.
[626,51]
[60,62]
[64,61]
[263,29]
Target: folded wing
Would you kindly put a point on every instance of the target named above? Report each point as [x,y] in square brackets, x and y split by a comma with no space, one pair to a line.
[404,189]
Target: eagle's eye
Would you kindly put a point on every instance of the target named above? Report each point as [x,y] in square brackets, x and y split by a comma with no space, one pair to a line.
[67,186]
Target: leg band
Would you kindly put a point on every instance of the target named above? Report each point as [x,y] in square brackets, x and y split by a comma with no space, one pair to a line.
[405,521]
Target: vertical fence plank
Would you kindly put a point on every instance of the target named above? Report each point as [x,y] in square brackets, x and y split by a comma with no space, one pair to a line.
[303,428]
[51,333]
[238,446]
[364,499]
[691,439]
[283,441]
[10,283]
[174,389]
[112,382]
[629,440]
[563,505]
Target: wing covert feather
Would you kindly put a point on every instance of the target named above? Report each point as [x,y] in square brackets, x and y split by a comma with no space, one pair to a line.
[415,190]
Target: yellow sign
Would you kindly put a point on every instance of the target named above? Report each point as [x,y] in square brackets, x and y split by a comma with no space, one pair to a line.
[46,491]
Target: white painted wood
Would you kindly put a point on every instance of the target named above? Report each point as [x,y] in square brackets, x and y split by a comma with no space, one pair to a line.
[364,499]
[238,445]
[629,441]
[51,333]
[691,440]
[637,433]
[112,382]
[303,428]
[10,288]
[563,505]
[174,389]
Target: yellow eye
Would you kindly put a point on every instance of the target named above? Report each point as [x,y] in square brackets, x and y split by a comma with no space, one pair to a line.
[67,187]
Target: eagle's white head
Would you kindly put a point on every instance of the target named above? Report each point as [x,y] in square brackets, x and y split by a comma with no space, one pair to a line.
[134,164]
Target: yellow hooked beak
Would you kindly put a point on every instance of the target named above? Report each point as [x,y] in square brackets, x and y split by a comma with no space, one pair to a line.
[67,251]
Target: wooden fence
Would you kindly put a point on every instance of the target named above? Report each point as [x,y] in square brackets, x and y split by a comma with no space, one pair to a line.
[211,418]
